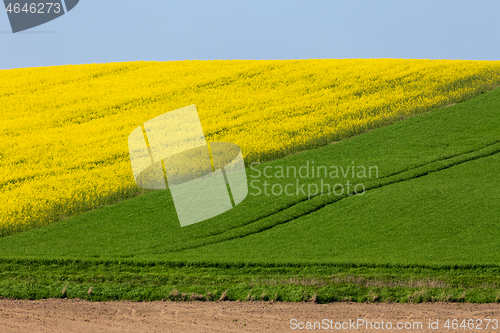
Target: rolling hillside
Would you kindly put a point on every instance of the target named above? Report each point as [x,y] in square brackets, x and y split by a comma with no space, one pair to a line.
[419,224]
[63,143]
[433,200]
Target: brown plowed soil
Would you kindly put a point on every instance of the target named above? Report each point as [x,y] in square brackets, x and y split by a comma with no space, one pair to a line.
[72,315]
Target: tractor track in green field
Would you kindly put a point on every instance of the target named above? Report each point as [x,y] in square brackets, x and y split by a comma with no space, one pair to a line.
[290,212]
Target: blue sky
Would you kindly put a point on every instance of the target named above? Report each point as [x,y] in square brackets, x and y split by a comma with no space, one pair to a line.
[98,31]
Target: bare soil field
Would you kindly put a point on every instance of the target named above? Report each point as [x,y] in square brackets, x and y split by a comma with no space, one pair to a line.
[73,315]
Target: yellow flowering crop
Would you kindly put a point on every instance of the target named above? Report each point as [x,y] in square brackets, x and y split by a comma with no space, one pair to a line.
[63,140]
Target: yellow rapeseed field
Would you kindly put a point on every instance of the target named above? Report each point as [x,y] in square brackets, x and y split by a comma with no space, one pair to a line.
[63,140]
